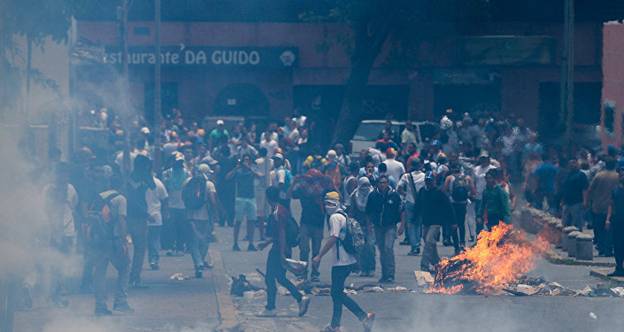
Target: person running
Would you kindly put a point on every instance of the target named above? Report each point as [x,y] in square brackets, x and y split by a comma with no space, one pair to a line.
[342,265]
[275,266]
[384,209]
[245,204]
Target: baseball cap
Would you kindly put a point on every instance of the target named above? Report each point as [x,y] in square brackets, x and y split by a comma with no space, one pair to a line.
[220,122]
[278,156]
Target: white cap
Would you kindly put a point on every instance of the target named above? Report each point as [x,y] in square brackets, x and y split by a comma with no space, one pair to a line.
[220,122]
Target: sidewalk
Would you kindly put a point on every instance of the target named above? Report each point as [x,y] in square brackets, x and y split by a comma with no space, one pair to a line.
[167,305]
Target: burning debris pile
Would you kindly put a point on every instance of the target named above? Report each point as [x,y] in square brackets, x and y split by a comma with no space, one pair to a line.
[497,261]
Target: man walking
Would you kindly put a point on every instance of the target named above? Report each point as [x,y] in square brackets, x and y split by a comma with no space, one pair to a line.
[384,209]
[245,203]
[343,263]
[108,242]
[496,204]
[435,210]
[599,197]
[409,186]
[574,187]
[156,198]
[275,266]
[460,189]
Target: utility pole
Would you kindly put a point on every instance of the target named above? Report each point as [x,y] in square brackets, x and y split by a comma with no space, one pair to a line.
[157,92]
[122,15]
[567,74]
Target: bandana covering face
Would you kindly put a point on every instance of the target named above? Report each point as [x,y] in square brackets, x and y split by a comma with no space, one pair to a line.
[364,189]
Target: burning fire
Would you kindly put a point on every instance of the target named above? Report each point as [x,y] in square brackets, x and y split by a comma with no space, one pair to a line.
[497,260]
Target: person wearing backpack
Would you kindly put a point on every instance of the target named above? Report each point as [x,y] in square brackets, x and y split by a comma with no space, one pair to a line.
[199,196]
[281,231]
[409,185]
[343,261]
[107,238]
[460,189]
[384,208]
[281,178]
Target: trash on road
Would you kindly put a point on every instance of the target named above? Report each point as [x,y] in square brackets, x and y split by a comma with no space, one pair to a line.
[423,278]
[179,276]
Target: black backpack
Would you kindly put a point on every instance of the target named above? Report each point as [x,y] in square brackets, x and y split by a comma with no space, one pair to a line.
[460,191]
[194,193]
[100,220]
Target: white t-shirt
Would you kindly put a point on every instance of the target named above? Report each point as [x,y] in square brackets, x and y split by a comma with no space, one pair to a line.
[406,184]
[270,146]
[61,214]
[338,229]
[479,178]
[154,198]
[395,168]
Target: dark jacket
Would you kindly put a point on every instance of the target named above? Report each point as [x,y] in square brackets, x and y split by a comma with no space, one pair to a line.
[384,209]
[434,207]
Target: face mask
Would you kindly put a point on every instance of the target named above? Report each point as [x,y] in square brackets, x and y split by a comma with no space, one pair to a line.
[331,207]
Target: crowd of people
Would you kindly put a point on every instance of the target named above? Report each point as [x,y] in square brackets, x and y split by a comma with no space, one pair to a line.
[466,178]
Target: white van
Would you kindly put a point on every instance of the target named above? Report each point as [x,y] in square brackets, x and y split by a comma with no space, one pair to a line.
[369,130]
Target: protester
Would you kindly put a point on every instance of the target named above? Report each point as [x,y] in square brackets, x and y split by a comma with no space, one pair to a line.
[495,207]
[343,263]
[156,198]
[409,186]
[573,191]
[275,270]
[108,241]
[199,195]
[460,189]
[245,207]
[615,224]
[435,210]
[356,208]
[384,210]
[176,230]
[599,196]
[263,166]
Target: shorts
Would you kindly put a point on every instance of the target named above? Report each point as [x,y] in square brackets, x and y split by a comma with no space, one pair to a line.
[262,207]
[245,208]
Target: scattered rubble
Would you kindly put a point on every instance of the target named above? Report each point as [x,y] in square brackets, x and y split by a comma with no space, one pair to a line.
[179,276]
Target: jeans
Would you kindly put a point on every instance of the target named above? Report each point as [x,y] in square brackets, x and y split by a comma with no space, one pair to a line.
[153,244]
[603,235]
[310,234]
[572,215]
[430,253]
[137,228]
[175,232]
[618,247]
[121,261]
[200,234]
[471,220]
[339,275]
[366,257]
[65,246]
[275,271]
[414,226]
[460,220]
[385,237]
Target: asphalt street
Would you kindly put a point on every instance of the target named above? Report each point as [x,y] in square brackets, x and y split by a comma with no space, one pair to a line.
[194,305]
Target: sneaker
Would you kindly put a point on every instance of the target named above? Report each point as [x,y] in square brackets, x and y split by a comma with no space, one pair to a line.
[368,322]
[304,305]
[169,253]
[207,265]
[389,280]
[404,243]
[251,247]
[414,252]
[235,247]
[123,307]
[315,279]
[154,266]
[383,280]
[199,274]
[103,312]
[267,313]
[330,328]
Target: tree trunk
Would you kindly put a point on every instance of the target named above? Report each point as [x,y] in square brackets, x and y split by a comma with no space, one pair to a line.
[367,47]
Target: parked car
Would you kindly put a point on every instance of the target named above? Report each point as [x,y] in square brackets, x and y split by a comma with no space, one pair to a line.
[369,130]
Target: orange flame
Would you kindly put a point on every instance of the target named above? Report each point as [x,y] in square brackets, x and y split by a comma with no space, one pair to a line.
[498,259]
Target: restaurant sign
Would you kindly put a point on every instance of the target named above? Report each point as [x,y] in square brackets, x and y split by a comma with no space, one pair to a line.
[275,57]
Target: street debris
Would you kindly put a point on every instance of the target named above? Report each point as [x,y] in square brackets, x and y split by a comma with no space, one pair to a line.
[179,276]
[593,315]
[423,278]
[251,295]
[240,285]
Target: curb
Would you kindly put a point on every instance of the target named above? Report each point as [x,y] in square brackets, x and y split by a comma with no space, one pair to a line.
[554,258]
[227,313]
[603,274]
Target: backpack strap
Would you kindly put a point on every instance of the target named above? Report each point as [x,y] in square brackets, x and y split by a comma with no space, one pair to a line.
[414,192]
